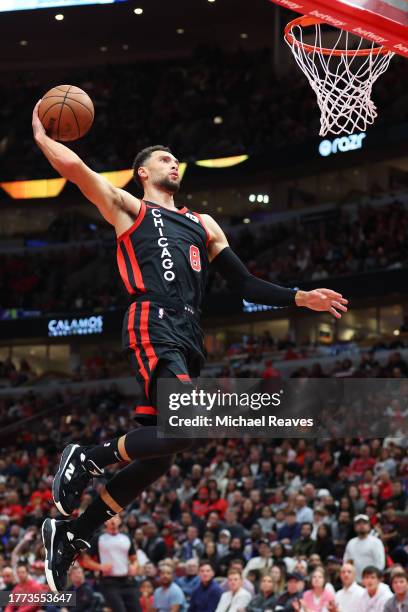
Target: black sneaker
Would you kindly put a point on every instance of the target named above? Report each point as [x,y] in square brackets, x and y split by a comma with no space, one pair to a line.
[74,474]
[61,549]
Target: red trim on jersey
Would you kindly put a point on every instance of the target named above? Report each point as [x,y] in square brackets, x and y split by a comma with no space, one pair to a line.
[144,334]
[137,222]
[122,270]
[184,377]
[133,345]
[145,410]
[204,226]
[181,211]
[133,262]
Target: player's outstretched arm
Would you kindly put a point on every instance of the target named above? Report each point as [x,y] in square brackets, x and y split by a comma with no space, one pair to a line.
[117,206]
[254,289]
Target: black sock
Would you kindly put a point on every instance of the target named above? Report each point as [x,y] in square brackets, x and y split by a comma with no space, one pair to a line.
[93,517]
[105,454]
[141,443]
[122,489]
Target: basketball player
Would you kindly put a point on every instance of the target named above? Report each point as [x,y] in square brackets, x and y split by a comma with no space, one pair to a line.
[163,255]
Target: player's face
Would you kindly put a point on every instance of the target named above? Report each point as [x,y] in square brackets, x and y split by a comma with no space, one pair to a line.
[162,170]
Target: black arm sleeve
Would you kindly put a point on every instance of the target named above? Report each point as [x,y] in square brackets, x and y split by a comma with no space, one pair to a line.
[245,284]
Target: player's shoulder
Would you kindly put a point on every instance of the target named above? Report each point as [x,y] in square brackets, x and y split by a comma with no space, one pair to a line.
[127,201]
[210,222]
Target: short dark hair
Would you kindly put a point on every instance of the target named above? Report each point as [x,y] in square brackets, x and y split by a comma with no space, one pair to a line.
[371,569]
[143,156]
[308,523]
[206,562]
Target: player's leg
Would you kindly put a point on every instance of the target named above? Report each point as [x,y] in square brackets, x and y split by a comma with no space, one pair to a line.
[79,463]
[64,539]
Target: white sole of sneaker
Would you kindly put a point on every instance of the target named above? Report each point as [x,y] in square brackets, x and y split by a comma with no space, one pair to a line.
[45,536]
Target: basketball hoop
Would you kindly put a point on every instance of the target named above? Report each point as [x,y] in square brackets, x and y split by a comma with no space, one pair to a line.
[342,77]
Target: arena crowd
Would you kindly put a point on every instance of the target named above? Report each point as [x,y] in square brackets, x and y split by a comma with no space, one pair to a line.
[236,524]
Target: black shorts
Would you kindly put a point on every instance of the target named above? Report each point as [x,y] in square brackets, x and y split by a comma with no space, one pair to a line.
[154,333]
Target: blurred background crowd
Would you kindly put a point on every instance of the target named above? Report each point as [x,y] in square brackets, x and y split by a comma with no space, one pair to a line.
[284,513]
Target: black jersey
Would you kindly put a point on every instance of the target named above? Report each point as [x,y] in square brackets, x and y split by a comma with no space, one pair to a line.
[164,252]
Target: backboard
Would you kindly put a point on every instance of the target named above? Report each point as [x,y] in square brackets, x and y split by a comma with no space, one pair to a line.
[383,21]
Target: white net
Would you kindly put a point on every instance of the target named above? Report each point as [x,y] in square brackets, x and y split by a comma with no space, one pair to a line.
[342,77]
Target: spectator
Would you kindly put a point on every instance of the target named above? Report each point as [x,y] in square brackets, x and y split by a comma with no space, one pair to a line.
[342,529]
[85,596]
[266,598]
[236,598]
[399,584]
[376,593]
[223,544]
[206,596]
[168,597]
[202,503]
[25,584]
[348,598]
[234,553]
[318,597]
[266,520]
[154,547]
[211,555]
[304,514]
[118,565]
[7,576]
[193,546]
[263,563]
[186,491]
[291,598]
[304,546]
[364,550]
[278,579]
[190,581]
[146,599]
[324,544]
[290,532]
[234,527]
[238,566]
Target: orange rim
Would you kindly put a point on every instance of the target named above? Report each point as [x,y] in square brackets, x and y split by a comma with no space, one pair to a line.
[309,21]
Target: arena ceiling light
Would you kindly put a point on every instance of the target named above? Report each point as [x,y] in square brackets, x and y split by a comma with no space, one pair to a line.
[138,11]
[25,5]
[222,162]
[59,17]
[260,198]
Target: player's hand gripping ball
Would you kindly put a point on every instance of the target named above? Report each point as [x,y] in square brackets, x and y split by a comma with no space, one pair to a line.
[66,112]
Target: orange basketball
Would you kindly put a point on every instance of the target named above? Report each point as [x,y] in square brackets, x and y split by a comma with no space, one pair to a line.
[66,112]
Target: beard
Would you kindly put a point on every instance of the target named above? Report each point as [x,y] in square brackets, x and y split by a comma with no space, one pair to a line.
[169,185]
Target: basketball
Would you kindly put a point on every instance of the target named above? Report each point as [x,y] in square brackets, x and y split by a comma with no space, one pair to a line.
[66,112]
